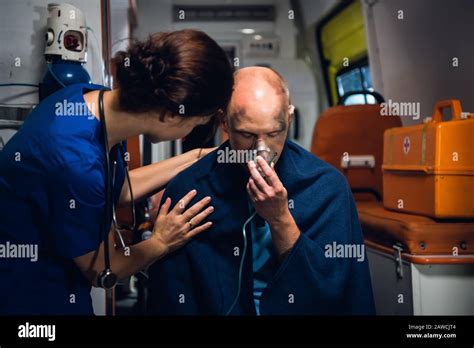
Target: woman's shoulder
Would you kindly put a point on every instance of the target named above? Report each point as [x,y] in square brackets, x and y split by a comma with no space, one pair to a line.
[63,111]
[61,131]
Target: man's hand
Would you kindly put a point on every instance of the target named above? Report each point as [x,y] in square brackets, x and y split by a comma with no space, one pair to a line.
[270,199]
[268,195]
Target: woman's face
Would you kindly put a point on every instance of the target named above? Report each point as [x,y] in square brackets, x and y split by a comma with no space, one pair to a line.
[173,127]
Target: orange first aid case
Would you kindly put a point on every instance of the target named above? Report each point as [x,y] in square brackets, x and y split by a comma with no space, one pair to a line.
[428,169]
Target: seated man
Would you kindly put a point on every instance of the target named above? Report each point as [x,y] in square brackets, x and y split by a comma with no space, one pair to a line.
[285,238]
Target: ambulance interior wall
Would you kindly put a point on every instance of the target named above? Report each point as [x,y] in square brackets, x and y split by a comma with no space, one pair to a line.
[119,25]
[23,24]
[154,16]
[413,59]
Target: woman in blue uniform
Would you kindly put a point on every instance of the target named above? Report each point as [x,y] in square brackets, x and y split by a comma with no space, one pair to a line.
[57,171]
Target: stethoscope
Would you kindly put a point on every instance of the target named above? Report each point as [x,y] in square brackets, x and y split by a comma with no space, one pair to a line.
[107,278]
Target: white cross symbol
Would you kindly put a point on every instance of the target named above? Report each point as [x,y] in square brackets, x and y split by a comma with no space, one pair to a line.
[406,145]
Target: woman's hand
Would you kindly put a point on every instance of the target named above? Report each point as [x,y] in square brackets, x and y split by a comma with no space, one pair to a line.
[172,230]
[175,228]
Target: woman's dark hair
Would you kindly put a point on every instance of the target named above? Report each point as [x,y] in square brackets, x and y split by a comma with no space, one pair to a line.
[184,71]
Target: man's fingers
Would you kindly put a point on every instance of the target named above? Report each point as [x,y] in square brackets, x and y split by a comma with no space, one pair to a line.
[183,202]
[254,193]
[257,177]
[270,174]
[199,229]
[196,208]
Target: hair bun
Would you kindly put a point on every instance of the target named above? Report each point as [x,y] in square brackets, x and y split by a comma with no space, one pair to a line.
[173,69]
[152,66]
[157,68]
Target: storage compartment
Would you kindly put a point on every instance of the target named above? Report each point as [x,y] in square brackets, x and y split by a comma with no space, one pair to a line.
[418,266]
[424,289]
[428,169]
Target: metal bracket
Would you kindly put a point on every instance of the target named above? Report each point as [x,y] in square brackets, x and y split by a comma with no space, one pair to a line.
[398,259]
[371,3]
[358,161]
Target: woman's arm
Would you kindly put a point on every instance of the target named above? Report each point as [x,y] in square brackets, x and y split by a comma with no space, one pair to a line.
[172,230]
[151,178]
[123,262]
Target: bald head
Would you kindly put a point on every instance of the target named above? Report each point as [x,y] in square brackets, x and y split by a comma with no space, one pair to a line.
[258,77]
[258,91]
[259,109]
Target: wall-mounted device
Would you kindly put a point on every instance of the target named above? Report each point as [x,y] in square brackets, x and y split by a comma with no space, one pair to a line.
[66,49]
[261,46]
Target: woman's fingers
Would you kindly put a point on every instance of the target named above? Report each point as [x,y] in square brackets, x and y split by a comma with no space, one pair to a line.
[196,208]
[174,229]
[201,216]
[164,208]
[183,202]
[195,231]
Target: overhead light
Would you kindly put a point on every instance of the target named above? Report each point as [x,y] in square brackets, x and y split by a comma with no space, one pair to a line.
[247,31]
[257,37]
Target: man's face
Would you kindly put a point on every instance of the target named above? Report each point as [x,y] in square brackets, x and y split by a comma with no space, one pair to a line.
[258,119]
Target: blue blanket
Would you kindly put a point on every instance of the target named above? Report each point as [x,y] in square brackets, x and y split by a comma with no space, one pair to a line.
[321,275]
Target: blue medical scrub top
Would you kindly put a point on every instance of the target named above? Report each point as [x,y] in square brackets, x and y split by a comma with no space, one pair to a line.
[52,199]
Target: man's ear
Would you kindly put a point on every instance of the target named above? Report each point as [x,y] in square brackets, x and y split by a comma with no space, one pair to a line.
[291,112]
[225,124]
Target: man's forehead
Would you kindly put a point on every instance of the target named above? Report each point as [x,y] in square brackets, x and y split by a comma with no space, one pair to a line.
[242,119]
[256,75]
[237,113]
[249,105]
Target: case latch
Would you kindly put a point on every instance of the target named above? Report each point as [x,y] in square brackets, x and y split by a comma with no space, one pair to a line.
[398,259]
[357,161]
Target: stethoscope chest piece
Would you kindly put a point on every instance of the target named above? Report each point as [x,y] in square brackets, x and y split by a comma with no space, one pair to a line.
[108,279]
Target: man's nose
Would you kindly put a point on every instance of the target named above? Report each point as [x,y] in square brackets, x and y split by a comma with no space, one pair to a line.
[262,149]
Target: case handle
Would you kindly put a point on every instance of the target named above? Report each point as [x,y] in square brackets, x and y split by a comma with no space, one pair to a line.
[455,106]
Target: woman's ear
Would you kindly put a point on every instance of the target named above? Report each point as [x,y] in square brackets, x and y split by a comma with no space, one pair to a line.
[167,117]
